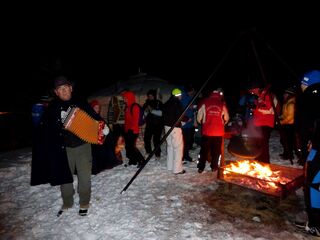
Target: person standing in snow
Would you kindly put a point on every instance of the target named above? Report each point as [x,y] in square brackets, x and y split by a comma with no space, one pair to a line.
[312,184]
[103,156]
[287,130]
[154,122]
[115,119]
[307,111]
[213,115]
[131,128]
[188,129]
[308,126]
[172,110]
[58,154]
[264,119]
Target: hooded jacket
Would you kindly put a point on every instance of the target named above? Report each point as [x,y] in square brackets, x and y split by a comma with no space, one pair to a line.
[131,114]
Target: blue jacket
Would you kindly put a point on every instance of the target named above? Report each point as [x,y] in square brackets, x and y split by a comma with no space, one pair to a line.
[190,112]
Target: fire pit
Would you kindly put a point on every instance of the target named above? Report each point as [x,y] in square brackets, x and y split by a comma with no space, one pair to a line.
[271,179]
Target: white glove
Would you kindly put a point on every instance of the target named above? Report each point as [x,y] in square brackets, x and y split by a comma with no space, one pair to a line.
[63,114]
[157,112]
[106,130]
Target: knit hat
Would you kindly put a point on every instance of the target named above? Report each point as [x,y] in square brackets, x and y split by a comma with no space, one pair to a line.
[152,92]
[311,77]
[94,103]
[61,80]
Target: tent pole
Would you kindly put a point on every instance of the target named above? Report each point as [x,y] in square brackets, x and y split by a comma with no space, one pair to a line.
[266,83]
[278,57]
[259,62]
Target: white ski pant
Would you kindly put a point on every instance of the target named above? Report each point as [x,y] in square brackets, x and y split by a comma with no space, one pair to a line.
[174,149]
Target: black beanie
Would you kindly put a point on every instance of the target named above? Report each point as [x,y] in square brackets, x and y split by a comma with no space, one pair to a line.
[152,92]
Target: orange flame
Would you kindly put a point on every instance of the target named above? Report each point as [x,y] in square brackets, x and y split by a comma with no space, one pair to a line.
[257,170]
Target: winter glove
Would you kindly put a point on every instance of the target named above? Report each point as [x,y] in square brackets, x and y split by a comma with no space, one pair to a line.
[105,130]
[63,114]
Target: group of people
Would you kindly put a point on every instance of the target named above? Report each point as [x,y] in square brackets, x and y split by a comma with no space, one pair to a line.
[298,121]
[174,117]
[180,118]
[259,108]
[58,154]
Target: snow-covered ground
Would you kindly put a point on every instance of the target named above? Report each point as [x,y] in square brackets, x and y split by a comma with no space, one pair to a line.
[157,205]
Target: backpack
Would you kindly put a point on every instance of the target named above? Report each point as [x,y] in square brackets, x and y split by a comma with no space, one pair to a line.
[142,119]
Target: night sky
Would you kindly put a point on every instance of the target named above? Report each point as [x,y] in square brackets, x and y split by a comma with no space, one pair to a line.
[96,52]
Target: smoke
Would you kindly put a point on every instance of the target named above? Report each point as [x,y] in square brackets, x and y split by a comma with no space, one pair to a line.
[251,131]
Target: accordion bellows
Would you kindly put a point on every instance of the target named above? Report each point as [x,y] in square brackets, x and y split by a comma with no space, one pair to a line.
[84,126]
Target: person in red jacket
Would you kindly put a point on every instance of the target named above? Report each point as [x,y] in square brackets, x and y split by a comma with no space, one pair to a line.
[264,119]
[131,128]
[213,115]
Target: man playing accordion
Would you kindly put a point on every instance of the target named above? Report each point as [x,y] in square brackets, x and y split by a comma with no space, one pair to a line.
[60,151]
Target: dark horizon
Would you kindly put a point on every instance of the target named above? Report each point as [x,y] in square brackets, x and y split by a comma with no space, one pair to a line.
[188,55]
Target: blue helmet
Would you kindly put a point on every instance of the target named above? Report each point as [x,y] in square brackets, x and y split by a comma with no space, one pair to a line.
[311,77]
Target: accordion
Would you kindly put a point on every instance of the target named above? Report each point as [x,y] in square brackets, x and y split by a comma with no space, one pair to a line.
[84,126]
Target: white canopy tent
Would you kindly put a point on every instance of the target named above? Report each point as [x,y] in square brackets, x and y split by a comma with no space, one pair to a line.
[139,84]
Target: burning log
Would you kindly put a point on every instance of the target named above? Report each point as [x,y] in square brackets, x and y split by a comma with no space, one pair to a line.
[270,179]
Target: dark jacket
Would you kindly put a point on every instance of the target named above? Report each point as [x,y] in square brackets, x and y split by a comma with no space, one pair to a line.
[172,110]
[190,111]
[49,156]
[152,119]
[103,156]
[307,109]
